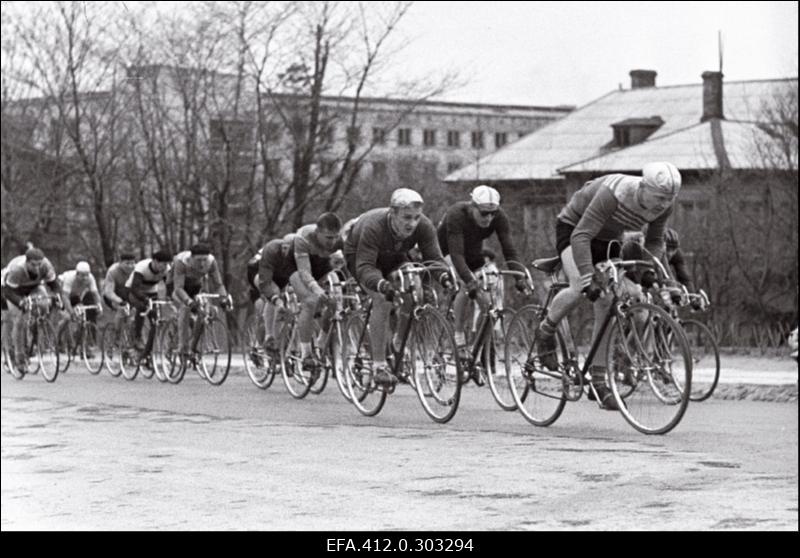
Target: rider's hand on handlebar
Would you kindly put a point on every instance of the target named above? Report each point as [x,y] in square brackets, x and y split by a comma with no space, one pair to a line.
[592,291]
[447,282]
[521,285]
[697,304]
[648,278]
[386,289]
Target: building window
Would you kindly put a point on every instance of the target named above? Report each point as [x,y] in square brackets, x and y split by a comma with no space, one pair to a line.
[622,137]
[379,170]
[477,140]
[453,138]
[429,138]
[500,139]
[404,136]
[378,136]
[353,135]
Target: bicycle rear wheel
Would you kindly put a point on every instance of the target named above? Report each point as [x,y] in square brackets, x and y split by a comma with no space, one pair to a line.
[359,377]
[260,364]
[47,350]
[649,352]
[437,368]
[215,347]
[705,359]
[91,348]
[66,344]
[494,362]
[173,366]
[538,392]
[126,356]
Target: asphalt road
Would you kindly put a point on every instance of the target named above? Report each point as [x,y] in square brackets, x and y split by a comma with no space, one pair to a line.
[101,453]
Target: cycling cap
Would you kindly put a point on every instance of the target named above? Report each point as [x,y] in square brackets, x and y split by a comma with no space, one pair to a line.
[671,238]
[662,177]
[83,267]
[34,255]
[403,197]
[200,249]
[162,256]
[485,195]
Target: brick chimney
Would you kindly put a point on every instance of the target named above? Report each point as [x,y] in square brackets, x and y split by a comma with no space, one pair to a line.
[712,96]
[642,78]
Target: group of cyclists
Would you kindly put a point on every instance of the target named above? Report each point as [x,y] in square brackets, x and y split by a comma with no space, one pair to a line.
[370,249]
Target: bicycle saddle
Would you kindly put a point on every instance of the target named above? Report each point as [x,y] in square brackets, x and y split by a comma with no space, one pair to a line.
[548,265]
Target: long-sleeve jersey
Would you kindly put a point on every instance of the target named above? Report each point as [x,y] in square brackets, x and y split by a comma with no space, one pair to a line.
[311,259]
[461,237]
[274,267]
[678,264]
[606,207]
[114,285]
[378,251]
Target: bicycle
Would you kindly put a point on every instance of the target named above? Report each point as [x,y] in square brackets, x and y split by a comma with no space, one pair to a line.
[120,348]
[648,363]
[481,361]
[85,339]
[209,346]
[39,340]
[427,358]
[702,342]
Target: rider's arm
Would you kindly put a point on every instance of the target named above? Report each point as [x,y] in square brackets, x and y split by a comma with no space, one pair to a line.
[178,282]
[216,278]
[429,246]
[367,271]
[302,258]
[137,285]
[266,285]
[597,214]
[108,289]
[654,239]
[95,293]
[678,263]
[503,230]
[455,245]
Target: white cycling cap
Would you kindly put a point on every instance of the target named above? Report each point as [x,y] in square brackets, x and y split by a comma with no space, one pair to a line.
[403,197]
[83,267]
[485,195]
[662,177]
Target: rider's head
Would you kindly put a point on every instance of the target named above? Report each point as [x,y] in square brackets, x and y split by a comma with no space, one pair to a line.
[405,211]
[161,260]
[83,270]
[127,261]
[199,255]
[328,228]
[34,260]
[485,205]
[659,186]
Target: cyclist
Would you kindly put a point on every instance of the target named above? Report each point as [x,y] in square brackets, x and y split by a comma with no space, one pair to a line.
[115,293]
[461,233]
[142,285]
[312,248]
[274,269]
[190,270]
[27,275]
[376,246]
[79,287]
[594,220]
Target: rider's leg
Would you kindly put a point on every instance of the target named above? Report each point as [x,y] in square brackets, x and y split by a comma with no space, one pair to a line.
[379,327]
[184,327]
[460,306]
[309,301]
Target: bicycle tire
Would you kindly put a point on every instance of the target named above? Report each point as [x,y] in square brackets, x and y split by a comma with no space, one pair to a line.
[365,395]
[658,362]
[705,354]
[298,382]
[90,339]
[433,342]
[47,350]
[494,365]
[110,350]
[65,344]
[260,365]
[538,392]
[215,348]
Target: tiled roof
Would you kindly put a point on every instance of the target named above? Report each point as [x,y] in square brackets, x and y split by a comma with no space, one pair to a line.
[586,133]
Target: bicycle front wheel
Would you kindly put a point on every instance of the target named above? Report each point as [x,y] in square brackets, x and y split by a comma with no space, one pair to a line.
[436,366]
[358,376]
[215,346]
[47,350]
[297,380]
[110,346]
[648,354]
[91,348]
[705,359]
[493,358]
[66,345]
[261,365]
[538,392]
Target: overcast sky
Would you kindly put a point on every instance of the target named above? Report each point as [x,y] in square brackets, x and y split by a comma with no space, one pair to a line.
[553,53]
